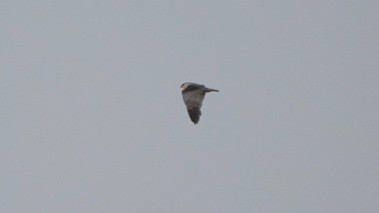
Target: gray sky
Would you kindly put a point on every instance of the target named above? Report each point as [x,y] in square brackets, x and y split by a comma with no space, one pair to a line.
[92,118]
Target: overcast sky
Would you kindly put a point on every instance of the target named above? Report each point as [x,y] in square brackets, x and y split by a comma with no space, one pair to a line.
[92,118]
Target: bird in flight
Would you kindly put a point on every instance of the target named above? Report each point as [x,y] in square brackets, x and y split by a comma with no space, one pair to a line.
[193,96]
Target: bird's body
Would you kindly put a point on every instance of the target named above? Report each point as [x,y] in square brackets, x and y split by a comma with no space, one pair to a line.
[193,96]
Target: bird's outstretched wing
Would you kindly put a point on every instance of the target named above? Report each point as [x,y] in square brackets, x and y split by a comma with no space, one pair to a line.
[193,100]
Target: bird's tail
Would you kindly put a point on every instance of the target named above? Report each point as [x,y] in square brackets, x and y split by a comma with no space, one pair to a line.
[211,90]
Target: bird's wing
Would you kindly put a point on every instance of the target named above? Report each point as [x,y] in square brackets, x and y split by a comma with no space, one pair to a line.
[193,101]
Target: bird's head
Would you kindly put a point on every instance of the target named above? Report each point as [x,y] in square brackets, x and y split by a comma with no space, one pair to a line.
[185,85]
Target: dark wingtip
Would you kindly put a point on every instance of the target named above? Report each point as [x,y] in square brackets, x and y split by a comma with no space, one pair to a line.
[194,115]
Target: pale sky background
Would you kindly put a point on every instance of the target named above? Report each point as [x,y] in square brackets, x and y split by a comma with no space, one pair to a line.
[92,118]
